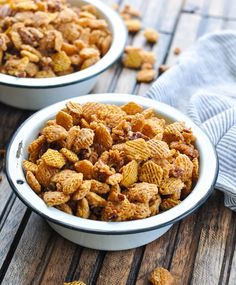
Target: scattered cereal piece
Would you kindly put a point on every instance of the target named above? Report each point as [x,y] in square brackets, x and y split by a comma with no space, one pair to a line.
[161,276]
[133,25]
[177,51]
[132,59]
[72,183]
[148,57]
[146,75]
[151,35]
[129,10]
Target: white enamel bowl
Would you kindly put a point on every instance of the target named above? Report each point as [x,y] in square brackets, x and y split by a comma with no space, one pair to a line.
[109,235]
[36,93]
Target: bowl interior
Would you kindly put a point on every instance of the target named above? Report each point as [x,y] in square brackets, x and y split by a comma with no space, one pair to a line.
[119,37]
[29,130]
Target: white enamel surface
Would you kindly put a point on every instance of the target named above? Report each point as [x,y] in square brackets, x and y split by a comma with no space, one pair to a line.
[109,242]
[35,93]
[34,99]
[30,129]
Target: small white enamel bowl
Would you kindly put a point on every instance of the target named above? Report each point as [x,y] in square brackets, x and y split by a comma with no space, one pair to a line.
[109,235]
[36,93]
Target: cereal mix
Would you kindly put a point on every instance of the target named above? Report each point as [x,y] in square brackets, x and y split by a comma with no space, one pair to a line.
[50,38]
[112,163]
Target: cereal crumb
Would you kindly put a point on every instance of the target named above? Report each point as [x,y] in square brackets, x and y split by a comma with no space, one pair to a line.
[163,68]
[151,35]
[161,276]
[177,51]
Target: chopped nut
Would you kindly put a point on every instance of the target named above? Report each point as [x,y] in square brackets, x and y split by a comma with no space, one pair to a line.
[163,68]
[177,51]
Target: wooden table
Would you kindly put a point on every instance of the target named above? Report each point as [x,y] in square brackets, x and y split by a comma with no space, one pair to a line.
[198,250]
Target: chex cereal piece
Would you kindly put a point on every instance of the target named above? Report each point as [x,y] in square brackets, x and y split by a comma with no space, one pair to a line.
[173,131]
[35,147]
[54,133]
[64,119]
[171,186]
[141,192]
[132,108]
[103,136]
[70,155]
[146,75]
[72,183]
[137,122]
[65,208]
[54,198]
[45,173]
[99,187]
[195,169]
[154,205]
[79,139]
[151,173]
[33,182]
[54,158]
[168,203]
[82,191]
[60,62]
[62,176]
[141,211]
[75,109]
[161,276]
[151,35]
[184,167]
[118,211]
[95,200]
[83,210]
[85,167]
[158,148]
[90,109]
[137,149]
[130,173]
[29,166]
[128,9]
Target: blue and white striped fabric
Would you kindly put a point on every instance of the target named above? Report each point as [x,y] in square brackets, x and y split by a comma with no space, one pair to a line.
[203,85]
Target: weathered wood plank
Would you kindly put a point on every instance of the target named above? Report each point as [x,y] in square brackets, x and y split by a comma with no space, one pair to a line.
[196,6]
[185,35]
[59,262]
[116,268]
[157,253]
[10,228]
[31,253]
[89,264]
[232,274]
[212,242]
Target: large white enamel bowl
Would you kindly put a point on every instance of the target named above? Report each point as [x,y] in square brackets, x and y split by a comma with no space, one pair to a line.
[36,93]
[109,235]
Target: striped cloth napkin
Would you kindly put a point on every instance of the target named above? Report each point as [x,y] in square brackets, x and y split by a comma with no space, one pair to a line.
[203,85]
